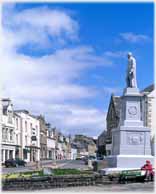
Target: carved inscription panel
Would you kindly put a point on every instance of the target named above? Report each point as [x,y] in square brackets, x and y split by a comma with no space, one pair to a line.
[132,110]
[135,138]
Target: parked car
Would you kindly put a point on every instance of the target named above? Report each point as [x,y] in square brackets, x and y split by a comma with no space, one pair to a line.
[20,162]
[100,157]
[80,158]
[14,162]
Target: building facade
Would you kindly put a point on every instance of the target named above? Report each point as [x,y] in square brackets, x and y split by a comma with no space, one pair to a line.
[18,136]
[149,112]
[112,120]
[30,136]
[8,148]
[101,143]
[51,143]
[43,138]
[73,152]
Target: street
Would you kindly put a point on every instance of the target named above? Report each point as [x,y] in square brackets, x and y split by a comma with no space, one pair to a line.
[133,187]
[78,164]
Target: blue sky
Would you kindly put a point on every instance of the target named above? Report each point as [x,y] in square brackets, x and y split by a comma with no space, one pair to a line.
[67,59]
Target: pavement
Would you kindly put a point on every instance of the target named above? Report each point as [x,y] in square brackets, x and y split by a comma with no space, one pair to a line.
[131,187]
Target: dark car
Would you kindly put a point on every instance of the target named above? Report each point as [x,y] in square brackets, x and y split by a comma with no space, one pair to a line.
[14,162]
[100,158]
[20,162]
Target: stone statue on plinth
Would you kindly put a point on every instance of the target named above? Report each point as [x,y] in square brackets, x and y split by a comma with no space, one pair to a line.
[130,139]
[131,72]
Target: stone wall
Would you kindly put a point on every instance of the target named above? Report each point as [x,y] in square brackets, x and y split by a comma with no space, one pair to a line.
[47,182]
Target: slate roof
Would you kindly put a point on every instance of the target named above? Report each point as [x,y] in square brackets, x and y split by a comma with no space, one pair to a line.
[117,104]
[149,89]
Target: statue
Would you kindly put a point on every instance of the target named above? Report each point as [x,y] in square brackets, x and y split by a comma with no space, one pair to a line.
[131,72]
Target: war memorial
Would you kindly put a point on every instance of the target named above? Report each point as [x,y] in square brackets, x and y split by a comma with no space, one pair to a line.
[131,139]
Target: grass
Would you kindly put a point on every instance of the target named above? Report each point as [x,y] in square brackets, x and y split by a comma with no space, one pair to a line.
[40,173]
[67,171]
[22,174]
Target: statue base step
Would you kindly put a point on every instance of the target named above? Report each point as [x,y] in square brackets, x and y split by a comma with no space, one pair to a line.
[128,161]
[131,92]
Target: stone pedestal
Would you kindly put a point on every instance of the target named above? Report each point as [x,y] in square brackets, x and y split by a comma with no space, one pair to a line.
[131,140]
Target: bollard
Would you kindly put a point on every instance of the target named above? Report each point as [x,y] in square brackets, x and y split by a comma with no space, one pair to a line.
[38,165]
[90,164]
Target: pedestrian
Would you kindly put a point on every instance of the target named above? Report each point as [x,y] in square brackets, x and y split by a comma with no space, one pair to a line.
[149,170]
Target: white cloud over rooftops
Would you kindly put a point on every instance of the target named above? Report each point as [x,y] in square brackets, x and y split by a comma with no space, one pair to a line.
[46,84]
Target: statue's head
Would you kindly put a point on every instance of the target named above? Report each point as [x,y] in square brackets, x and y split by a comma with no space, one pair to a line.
[129,54]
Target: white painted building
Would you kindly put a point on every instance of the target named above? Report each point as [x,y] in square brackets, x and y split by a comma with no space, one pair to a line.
[51,145]
[73,153]
[30,136]
[18,136]
[8,131]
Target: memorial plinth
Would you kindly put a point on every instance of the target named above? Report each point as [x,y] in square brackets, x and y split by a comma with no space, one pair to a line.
[131,139]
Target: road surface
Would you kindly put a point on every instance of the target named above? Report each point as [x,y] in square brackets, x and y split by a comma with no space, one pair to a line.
[78,164]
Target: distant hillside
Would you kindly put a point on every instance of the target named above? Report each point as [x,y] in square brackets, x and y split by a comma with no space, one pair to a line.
[83,141]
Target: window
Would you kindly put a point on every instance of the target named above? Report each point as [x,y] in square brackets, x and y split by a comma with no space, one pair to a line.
[31,126]
[2,152]
[6,154]
[6,134]
[10,154]
[3,134]
[36,130]
[11,135]
[26,125]
[16,139]
[26,140]
[16,123]
[9,116]
[25,154]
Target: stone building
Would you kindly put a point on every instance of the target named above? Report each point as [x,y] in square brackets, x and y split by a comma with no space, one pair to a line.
[112,120]
[43,138]
[101,143]
[85,145]
[68,147]
[92,149]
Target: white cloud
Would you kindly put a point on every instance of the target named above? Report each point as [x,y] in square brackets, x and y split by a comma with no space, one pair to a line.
[111,90]
[70,118]
[52,93]
[116,54]
[38,25]
[47,84]
[134,38]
